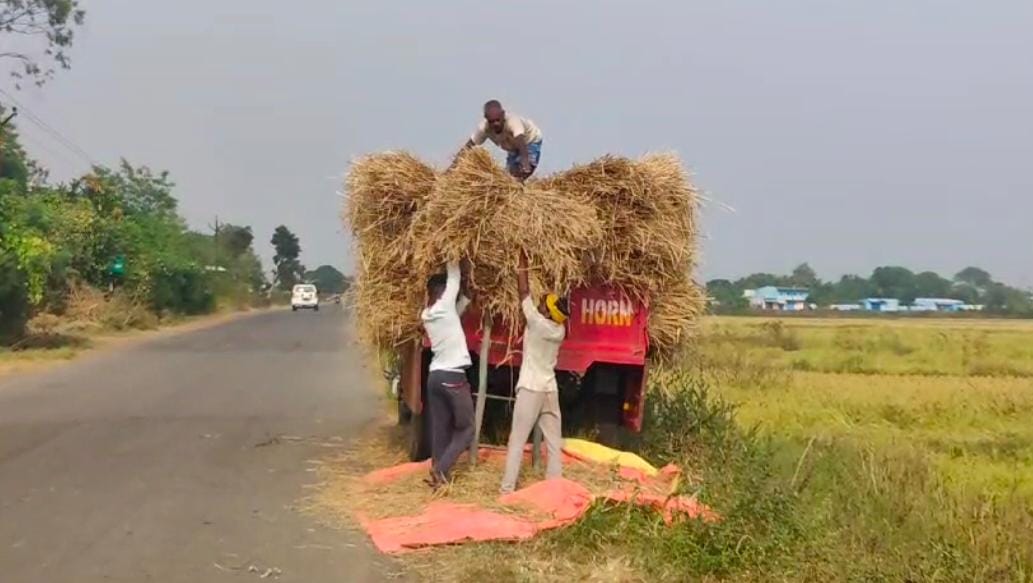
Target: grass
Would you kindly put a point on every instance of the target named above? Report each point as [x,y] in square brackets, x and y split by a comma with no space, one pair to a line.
[835,450]
[905,347]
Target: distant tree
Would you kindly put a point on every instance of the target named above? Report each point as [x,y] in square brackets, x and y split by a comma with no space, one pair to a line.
[1003,299]
[288,270]
[727,295]
[45,25]
[974,276]
[929,284]
[851,288]
[134,190]
[966,293]
[755,280]
[327,279]
[804,276]
[235,240]
[894,282]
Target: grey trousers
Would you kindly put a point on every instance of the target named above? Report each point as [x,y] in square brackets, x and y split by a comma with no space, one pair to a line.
[543,409]
[450,405]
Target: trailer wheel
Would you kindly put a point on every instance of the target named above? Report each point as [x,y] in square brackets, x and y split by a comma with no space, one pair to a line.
[404,413]
[419,438]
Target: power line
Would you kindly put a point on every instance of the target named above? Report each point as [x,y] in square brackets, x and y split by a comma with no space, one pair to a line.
[65,141]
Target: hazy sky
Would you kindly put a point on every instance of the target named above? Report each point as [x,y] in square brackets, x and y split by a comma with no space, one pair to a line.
[848,134]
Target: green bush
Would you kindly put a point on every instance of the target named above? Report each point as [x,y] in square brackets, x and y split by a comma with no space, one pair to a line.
[14,300]
[730,469]
[181,290]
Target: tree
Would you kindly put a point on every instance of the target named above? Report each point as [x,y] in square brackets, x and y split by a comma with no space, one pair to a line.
[974,276]
[755,280]
[50,23]
[929,284]
[327,279]
[288,270]
[1008,300]
[727,295]
[851,288]
[804,276]
[235,240]
[894,282]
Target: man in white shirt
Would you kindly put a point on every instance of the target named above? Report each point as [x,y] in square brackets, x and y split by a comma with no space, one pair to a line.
[449,401]
[518,136]
[537,397]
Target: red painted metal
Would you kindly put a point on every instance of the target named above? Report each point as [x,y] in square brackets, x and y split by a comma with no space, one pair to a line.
[604,326]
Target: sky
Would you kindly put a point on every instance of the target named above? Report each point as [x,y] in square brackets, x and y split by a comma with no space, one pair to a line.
[845,134]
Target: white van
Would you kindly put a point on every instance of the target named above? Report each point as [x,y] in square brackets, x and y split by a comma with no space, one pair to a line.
[304,296]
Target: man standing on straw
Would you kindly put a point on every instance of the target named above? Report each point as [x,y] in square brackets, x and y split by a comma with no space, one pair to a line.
[537,397]
[518,136]
[449,401]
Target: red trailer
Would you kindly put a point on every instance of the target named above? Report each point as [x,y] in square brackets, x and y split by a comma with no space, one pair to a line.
[601,369]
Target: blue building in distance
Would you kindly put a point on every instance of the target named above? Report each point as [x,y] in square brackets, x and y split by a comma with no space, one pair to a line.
[778,298]
[880,304]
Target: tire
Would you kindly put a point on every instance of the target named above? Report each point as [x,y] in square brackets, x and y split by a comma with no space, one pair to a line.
[419,438]
[404,414]
[316,308]
[294,308]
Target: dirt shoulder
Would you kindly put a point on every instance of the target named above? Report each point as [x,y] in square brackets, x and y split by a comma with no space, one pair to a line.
[14,362]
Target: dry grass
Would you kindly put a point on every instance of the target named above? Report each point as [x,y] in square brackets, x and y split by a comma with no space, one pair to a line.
[478,212]
[618,222]
[385,191]
[343,494]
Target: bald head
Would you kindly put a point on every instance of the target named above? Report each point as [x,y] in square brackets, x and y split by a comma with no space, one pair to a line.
[495,115]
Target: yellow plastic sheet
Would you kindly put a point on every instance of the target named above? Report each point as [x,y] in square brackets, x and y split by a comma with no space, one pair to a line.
[606,455]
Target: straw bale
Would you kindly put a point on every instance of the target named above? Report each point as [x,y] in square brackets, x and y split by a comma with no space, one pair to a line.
[615,221]
[384,191]
[479,213]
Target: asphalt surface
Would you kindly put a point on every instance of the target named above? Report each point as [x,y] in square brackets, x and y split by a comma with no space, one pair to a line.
[184,458]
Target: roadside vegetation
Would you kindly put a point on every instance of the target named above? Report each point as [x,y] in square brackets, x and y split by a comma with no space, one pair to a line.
[919,469]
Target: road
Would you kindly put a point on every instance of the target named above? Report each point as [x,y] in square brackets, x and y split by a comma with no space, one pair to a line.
[183,458]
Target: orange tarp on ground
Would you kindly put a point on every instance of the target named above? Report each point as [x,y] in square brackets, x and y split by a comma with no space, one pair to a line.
[541,506]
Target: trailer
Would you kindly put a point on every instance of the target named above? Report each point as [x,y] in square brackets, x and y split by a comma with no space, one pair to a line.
[601,370]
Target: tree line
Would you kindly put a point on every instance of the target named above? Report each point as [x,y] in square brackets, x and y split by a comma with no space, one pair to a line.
[118,231]
[114,230]
[971,285]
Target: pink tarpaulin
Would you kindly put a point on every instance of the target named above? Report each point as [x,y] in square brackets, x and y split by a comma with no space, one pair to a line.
[541,506]
[444,523]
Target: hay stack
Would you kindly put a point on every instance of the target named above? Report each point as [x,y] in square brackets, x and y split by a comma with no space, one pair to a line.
[479,212]
[616,221]
[384,192]
[647,212]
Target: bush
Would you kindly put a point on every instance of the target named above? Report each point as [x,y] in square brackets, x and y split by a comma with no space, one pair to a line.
[181,290]
[14,301]
[729,468]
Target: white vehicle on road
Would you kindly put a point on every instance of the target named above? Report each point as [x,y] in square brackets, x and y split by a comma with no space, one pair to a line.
[304,297]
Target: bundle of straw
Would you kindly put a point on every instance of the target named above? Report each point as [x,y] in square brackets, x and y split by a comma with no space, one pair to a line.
[384,191]
[646,208]
[480,213]
[615,221]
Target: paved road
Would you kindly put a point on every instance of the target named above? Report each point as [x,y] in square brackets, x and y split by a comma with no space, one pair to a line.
[144,464]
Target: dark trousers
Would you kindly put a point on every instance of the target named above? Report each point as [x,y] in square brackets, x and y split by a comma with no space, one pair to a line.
[451,418]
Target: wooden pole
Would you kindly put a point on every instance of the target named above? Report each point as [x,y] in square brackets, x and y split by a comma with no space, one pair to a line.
[482,389]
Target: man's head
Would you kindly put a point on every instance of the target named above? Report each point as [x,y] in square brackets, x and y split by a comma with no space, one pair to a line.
[555,308]
[435,287]
[495,116]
